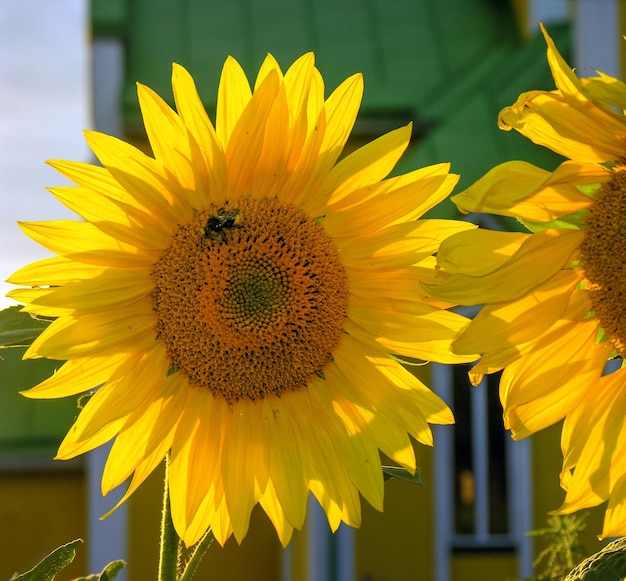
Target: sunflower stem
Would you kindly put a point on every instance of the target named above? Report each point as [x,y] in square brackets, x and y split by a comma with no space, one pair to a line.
[196,556]
[170,543]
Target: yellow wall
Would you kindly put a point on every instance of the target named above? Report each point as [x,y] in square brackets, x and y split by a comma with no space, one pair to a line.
[398,542]
[466,566]
[40,511]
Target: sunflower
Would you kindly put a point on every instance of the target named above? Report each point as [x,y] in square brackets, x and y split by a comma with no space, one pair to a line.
[239,301]
[554,313]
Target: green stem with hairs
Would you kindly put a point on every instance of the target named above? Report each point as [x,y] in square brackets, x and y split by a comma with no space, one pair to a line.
[198,552]
[170,543]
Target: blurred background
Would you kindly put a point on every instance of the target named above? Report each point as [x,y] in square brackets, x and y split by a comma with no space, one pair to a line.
[449,67]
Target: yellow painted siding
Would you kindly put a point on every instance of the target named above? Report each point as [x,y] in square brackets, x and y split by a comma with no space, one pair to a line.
[466,566]
[40,511]
[398,542]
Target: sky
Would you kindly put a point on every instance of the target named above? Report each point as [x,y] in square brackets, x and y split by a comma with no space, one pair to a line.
[44,106]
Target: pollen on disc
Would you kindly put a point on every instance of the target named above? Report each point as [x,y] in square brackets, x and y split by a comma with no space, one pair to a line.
[602,256]
[251,299]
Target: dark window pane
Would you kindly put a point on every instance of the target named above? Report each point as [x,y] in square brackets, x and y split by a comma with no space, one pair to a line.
[491,439]
[464,480]
[498,500]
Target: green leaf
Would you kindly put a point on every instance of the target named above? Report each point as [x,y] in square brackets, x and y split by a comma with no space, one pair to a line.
[19,329]
[108,573]
[51,566]
[609,564]
[402,474]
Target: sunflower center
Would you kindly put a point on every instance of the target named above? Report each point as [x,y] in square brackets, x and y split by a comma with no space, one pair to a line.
[251,299]
[602,256]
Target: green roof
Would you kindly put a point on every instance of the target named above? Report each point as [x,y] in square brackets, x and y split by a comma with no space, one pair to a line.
[447,65]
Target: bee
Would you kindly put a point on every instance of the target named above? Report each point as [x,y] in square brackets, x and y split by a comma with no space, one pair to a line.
[221,222]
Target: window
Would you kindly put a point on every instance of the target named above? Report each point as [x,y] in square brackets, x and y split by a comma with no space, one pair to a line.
[482,477]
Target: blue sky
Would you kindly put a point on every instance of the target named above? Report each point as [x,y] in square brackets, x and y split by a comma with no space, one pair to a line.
[44,106]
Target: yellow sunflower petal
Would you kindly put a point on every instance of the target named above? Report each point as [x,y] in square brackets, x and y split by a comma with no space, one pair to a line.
[575,90]
[501,325]
[208,516]
[221,524]
[196,455]
[564,76]
[148,427]
[191,110]
[385,397]
[95,178]
[548,119]
[391,439]
[247,138]
[286,472]
[537,393]
[244,464]
[142,471]
[479,252]
[540,256]
[304,174]
[112,288]
[368,164]
[168,138]
[271,169]
[521,190]
[54,271]
[297,81]
[330,482]
[77,376]
[340,111]
[232,98]
[272,507]
[70,447]
[398,246]
[397,285]
[426,335]
[141,176]
[86,243]
[599,454]
[605,89]
[118,398]
[615,518]
[599,405]
[118,220]
[353,440]
[404,198]
[128,328]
